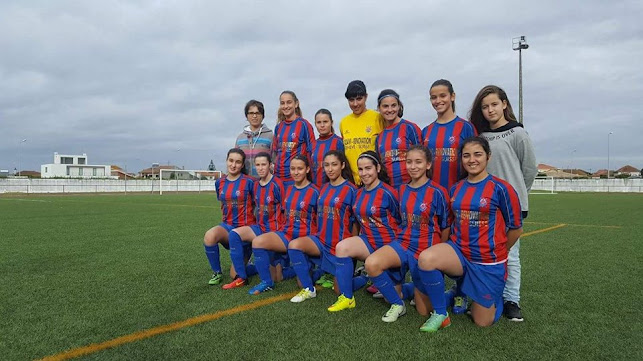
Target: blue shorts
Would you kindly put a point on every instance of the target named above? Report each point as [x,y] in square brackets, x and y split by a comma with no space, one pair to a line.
[483,283]
[408,263]
[257,230]
[226,226]
[368,245]
[247,246]
[326,261]
[277,258]
[396,274]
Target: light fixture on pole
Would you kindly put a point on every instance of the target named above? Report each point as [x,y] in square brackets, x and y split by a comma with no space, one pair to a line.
[519,43]
[19,149]
[608,154]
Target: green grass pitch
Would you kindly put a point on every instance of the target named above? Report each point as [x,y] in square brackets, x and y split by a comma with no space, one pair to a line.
[82,269]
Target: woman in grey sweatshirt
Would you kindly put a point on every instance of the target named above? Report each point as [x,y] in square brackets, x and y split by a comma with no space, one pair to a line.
[256,136]
[512,159]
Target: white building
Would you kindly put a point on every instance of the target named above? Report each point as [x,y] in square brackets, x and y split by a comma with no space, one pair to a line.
[74,166]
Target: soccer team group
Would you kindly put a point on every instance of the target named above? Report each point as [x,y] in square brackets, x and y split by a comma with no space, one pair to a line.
[445,200]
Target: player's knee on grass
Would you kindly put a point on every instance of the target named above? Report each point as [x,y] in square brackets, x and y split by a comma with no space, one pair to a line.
[482,317]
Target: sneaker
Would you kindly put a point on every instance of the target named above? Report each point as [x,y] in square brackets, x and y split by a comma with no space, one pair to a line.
[304,295]
[378,294]
[360,271]
[325,278]
[328,284]
[460,305]
[260,288]
[371,289]
[512,311]
[412,302]
[395,312]
[216,279]
[236,283]
[342,303]
[436,322]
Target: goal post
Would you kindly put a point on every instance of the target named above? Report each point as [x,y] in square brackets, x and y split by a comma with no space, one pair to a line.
[545,185]
[187,179]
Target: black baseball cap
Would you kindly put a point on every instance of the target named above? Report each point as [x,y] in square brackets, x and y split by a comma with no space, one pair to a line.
[355,88]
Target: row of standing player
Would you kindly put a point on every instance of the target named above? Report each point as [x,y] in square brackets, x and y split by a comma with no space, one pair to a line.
[397,230]
[363,129]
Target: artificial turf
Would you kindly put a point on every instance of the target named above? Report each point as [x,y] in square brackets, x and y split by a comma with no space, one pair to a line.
[83,269]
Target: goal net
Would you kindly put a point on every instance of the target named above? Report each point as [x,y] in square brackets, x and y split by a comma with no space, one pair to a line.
[187,180]
[543,185]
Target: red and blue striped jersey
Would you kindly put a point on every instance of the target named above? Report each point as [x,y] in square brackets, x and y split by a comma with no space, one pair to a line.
[268,201]
[425,213]
[320,148]
[378,213]
[482,213]
[237,200]
[444,142]
[335,213]
[392,144]
[291,139]
[300,211]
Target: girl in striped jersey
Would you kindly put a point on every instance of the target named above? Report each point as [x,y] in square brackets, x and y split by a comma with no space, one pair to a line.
[396,138]
[376,209]
[444,136]
[487,223]
[424,210]
[293,136]
[268,196]
[300,219]
[334,220]
[235,192]
[326,142]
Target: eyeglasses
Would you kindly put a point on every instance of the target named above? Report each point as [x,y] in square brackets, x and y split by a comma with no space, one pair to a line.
[254,114]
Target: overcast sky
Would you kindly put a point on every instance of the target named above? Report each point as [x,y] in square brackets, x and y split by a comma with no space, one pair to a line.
[136,82]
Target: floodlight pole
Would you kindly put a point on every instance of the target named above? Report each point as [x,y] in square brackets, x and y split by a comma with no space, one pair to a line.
[19,149]
[608,154]
[519,43]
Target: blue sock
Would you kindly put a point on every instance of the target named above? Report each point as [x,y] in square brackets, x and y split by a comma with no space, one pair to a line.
[344,274]
[262,263]
[237,254]
[385,286]
[288,273]
[408,291]
[251,270]
[317,273]
[359,282]
[299,262]
[212,252]
[433,282]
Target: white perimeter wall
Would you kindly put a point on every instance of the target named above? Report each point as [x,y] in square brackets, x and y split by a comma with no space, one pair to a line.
[589,185]
[9,185]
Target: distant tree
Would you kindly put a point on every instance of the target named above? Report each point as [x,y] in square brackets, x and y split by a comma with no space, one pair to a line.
[211,167]
[641,172]
[622,175]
